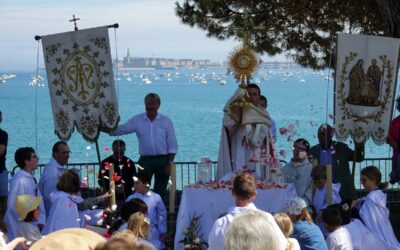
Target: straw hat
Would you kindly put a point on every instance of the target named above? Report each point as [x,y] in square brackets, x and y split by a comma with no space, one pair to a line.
[69,239]
[26,203]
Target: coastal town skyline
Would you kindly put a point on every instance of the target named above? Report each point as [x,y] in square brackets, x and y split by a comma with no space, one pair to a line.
[149,28]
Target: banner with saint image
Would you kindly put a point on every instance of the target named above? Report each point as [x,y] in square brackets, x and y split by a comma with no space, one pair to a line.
[81,82]
[365,84]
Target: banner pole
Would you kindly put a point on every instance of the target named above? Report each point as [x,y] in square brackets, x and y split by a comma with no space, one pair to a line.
[172,190]
[115,25]
[353,168]
[99,161]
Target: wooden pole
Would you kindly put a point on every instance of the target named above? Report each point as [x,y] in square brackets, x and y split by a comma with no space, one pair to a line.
[172,190]
[329,183]
[353,168]
[99,161]
[112,185]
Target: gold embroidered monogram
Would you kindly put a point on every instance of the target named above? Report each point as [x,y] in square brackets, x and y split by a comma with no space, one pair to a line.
[79,68]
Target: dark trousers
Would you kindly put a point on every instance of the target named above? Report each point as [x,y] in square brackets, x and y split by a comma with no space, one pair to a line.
[156,165]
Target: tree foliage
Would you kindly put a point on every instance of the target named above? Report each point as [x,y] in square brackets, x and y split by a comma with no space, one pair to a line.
[304,30]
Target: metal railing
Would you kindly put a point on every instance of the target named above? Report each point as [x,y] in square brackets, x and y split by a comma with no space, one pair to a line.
[186,172]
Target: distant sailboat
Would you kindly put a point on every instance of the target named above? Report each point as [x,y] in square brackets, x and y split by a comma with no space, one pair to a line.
[146,81]
[37,81]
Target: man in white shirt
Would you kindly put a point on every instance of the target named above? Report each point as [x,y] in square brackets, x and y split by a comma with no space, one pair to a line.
[157,142]
[52,171]
[244,192]
[21,183]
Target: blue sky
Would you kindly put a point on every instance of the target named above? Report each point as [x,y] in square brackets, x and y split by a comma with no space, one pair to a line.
[147,27]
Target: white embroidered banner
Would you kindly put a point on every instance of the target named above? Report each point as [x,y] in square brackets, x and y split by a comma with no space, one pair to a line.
[365,83]
[81,83]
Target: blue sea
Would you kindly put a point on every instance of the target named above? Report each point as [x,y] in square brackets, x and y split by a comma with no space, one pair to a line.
[296,96]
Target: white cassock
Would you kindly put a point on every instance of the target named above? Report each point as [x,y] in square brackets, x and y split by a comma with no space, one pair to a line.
[48,181]
[375,216]
[21,183]
[320,200]
[245,133]
[298,173]
[157,214]
[362,238]
[63,212]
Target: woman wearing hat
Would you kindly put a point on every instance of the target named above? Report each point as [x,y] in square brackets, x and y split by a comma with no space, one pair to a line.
[27,207]
[305,231]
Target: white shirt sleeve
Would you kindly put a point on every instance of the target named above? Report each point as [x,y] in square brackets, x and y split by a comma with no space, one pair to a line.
[126,128]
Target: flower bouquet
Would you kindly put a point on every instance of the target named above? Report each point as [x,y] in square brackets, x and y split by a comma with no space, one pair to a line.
[191,240]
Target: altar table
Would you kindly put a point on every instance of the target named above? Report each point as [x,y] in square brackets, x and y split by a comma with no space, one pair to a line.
[211,203]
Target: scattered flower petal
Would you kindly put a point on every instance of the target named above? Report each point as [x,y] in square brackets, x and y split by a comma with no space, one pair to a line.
[283,131]
[115,177]
[107,165]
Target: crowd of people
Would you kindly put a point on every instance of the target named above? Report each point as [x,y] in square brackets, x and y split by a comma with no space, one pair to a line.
[53,206]
[33,209]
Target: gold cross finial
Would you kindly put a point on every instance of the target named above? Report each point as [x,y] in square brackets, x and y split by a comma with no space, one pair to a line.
[74,20]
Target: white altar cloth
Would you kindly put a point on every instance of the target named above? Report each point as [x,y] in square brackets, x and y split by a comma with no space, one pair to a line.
[211,203]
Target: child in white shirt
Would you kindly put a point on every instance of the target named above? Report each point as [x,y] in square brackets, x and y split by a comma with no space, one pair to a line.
[339,238]
[156,212]
[320,200]
[27,207]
